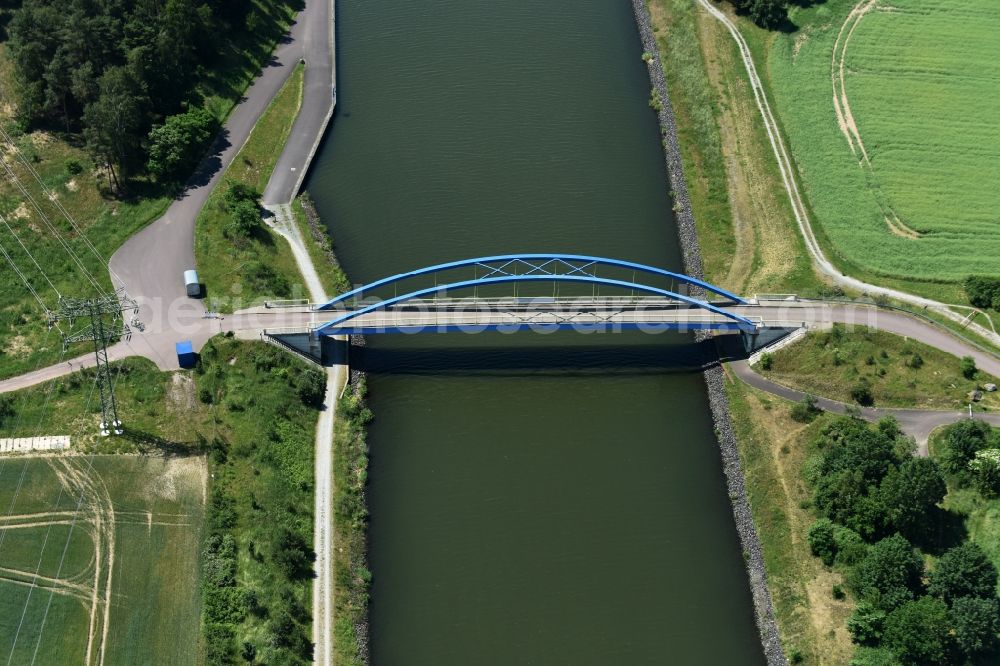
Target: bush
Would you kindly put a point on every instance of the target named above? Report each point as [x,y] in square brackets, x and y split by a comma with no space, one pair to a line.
[851,548]
[244,218]
[968,367]
[806,410]
[915,362]
[985,469]
[766,361]
[861,393]
[821,541]
[866,624]
[74,167]
[961,441]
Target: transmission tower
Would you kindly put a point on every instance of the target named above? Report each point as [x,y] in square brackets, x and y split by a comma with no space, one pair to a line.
[110,306]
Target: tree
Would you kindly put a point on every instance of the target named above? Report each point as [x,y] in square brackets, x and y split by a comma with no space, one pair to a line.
[917,631]
[889,574]
[910,495]
[821,541]
[310,386]
[767,13]
[985,469]
[976,622]
[114,123]
[866,624]
[176,145]
[968,367]
[963,571]
[982,291]
[962,440]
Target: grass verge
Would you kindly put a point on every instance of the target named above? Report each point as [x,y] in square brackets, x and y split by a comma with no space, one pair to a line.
[240,271]
[897,372]
[319,244]
[773,450]
[352,578]
[748,237]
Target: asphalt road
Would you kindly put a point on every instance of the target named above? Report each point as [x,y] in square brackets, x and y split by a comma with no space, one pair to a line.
[918,423]
[151,263]
[156,343]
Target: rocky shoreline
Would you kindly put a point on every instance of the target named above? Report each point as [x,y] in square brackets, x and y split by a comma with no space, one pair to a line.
[714,377]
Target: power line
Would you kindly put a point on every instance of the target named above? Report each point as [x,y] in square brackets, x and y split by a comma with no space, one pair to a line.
[24,278]
[52,197]
[30,256]
[27,195]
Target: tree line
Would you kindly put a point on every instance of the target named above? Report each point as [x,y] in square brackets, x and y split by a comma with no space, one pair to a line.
[880,513]
[124,75]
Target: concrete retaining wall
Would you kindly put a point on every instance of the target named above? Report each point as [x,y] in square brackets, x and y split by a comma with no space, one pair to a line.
[714,377]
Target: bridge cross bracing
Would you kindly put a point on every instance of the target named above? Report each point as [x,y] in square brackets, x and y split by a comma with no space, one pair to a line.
[669,300]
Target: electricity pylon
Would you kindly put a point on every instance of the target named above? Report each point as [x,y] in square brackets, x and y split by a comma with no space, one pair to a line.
[96,309]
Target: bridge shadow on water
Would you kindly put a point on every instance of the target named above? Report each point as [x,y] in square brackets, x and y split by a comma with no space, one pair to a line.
[553,356]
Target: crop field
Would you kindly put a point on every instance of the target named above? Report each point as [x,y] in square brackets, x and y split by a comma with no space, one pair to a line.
[99,559]
[890,107]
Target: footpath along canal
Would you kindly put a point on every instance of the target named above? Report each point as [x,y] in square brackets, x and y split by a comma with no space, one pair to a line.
[536,499]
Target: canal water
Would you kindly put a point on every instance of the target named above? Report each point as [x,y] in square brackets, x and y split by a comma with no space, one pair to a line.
[535,499]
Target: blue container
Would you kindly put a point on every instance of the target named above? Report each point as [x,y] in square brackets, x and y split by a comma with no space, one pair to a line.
[186,358]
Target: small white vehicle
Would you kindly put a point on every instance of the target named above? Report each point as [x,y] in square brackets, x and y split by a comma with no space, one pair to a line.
[192,283]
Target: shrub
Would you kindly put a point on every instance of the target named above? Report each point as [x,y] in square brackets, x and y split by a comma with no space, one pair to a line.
[821,541]
[962,440]
[916,362]
[861,393]
[655,102]
[866,624]
[838,592]
[968,367]
[851,548]
[74,167]
[806,410]
[985,469]
[766,361]
[244,218]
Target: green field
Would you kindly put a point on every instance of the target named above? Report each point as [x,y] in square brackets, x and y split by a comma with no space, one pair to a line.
[99,563]
[909,189]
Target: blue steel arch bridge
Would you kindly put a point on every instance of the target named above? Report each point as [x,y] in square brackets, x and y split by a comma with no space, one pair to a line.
[541,292]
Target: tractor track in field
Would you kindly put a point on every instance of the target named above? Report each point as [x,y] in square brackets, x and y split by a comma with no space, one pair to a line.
[787,170]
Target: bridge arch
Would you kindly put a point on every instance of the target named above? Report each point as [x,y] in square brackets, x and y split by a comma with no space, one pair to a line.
[577,269]
[534,264]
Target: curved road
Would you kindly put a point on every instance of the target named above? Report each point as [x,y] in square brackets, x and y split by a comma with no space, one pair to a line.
[151,263]
[918,423]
